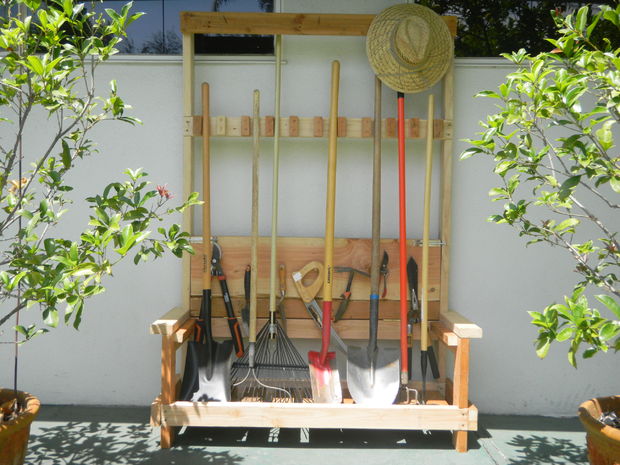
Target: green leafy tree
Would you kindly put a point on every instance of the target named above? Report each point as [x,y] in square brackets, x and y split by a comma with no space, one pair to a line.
[552,142]
[50,54]
[487,29]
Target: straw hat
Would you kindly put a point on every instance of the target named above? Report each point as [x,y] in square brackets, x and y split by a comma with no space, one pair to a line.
[409,47]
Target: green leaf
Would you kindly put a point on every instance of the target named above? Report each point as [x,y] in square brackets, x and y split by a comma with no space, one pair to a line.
[50,317]
[542,347]
[615,184]
[605,136]
[609,331]
[66,155]
[565,334]
[567,187]
[610,303]
[35,64]
[566,224]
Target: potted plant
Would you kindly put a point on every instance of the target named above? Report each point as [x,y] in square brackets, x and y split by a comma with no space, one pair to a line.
[50,52]
[552,143]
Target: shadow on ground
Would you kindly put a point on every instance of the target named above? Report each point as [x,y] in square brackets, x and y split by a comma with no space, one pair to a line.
[541,450]
[103,443]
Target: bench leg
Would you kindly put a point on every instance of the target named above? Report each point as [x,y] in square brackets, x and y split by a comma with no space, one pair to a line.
[460,393]
[168,388]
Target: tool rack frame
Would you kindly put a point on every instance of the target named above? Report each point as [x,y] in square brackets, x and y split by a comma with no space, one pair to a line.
[448,407]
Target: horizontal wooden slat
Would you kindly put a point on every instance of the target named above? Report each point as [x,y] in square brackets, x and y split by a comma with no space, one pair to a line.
[305,127]
[347,329]
[311,415]
[295,252]
[170,322]
[460,325]
[294,307]
[204,22]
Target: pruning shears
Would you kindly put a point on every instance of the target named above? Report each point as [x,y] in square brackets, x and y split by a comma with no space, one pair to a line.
[218,272]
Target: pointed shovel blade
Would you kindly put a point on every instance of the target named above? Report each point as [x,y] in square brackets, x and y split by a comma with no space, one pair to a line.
[375,383]
[214,364]
[324,378]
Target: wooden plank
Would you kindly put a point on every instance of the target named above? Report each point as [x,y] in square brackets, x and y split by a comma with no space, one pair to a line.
[306,329]
[293,126]
[310,415]
[357,310]
[295,252]
[246,130]
[445,223]
[367,127]
[185,331]
[203,22]
[460,390]
[168,391]
[170,322]
[156,412]
[447,337]
[460,325]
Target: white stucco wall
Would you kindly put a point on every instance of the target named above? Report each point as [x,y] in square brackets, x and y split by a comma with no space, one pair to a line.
[494,278]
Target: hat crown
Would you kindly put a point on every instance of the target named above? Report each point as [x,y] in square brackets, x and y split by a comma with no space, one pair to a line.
[411,40]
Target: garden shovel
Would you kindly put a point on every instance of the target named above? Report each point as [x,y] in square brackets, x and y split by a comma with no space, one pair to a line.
[324,377]
[372,372]
[208,363]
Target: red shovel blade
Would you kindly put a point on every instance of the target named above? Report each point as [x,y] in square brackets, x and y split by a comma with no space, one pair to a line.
[324,377]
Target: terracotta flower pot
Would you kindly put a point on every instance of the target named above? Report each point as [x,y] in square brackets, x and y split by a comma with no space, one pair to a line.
[14,434]
[603,441]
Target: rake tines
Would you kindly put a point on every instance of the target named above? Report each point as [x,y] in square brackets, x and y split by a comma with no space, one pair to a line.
[280,374]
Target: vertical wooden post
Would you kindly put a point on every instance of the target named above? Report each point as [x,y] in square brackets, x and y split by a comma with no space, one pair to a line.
[460,389]
[168,385]
[446,190]
[168,368]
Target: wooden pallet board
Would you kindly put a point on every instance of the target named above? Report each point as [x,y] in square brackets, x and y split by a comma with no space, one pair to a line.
[315,127]
[204,22]
[311,415]
[295,252]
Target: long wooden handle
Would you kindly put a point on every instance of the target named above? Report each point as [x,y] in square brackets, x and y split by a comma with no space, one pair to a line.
[330,209]
[330,213]
[273,269]
[402,240]
[254,245]
[206,189]
[376,196]
[427,220]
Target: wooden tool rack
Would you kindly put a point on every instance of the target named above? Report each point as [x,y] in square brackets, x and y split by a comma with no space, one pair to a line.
[447,407]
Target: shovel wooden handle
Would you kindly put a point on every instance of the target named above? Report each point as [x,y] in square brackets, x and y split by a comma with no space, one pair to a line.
[206,189]
[330,212]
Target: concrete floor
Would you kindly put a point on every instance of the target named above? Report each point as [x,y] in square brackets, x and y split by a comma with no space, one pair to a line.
[79,435]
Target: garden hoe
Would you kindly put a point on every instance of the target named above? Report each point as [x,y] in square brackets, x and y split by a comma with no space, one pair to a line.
[207,364]
[372,372]
[324,377]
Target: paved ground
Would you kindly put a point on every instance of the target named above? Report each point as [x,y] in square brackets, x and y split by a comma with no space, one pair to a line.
[79,435]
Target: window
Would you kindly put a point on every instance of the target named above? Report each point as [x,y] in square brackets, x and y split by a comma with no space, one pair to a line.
[158,31]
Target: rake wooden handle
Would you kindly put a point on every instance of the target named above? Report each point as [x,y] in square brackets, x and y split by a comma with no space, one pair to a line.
[254,245]
[273,276]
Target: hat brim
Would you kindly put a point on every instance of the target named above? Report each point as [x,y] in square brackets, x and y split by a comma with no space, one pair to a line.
[392,70]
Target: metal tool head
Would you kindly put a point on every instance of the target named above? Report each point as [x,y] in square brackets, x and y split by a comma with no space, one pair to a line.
[348,269]
[214,364]
[373,378]
[324,378]
[216,257]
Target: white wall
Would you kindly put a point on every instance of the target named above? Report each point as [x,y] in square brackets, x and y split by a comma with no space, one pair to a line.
[494,278]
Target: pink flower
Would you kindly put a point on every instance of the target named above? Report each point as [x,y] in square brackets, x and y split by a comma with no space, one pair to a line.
[164,192]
